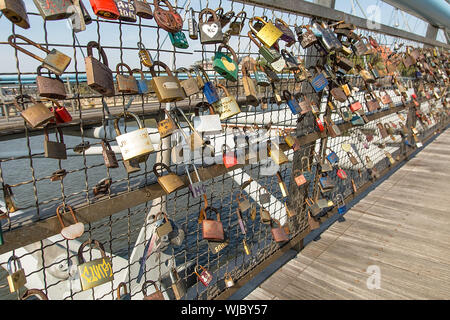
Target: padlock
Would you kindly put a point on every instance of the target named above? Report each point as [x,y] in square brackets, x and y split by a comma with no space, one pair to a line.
[228,280]
[192,26]
[126,84]
[190,85]
[332,157]
[205,277]
[47,87]
[229,157]
[291,61]
[291,141]
[74,230]
[342,208]
[54,9]
[210,31]
[243,202]
[237,26]
[102,187]
[136,144]
[328,38]
[225,65]
[282,185]
[109,156]
[143,9]
[167,88]
[127,11]
[97,271]
[16,12]
[305,104]
[253,211]
[360,48]
[170,182]
[131,165]
[142,83]
[166,126]
[273,57]
[369,163]
[208,124]
[217,246]
[386,98]
[36,115]
[61,114]
[314,208]
[169,20]
[299,178]
[332,128]
[306,170]
[268,34]
[157,295]
[318,82]
[291,102]
[8,196]
[55,61]
[212,229]
[144,55]
[249,86]
[178,285]
[16,279]
[264,197]
[198,188]
[278,233]
[227,106]
[306,39]
[106,9]
[278,156]
[34,294]
[179,40]
[287,34]
[382,130]
[125,295]
[209,90]
[240,221]
[195,140]
[390,157]
[166,227]
[54,150]
[341,173]
[356,105]
[339,94]
[224,18]
[371,102]
[326,184]
[261,76]
[99,76]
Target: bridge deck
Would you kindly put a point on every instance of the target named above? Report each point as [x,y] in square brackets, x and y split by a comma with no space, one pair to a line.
[402,227]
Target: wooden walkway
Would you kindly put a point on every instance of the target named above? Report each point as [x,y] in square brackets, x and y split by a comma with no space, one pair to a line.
[402,227]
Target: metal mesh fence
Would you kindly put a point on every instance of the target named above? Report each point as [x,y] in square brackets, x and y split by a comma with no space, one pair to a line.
[123,219]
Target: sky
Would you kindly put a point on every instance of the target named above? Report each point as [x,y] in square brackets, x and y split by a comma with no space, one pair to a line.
[59,32]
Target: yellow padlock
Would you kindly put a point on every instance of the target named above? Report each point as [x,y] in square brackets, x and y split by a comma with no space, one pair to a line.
[269,33]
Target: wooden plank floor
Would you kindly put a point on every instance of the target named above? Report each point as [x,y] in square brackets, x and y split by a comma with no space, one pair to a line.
[402,227]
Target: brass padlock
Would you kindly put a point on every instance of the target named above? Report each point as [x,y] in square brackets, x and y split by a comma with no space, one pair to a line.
[268,35]
[167,88]
[36,115]
[169,182]
[95,272]
[164,228]
[227,106]
[99,76]
[144,55]
[190,85]
[16,12]
[55,60]
[55,150]
[16,279]
[126,84]
[166,126]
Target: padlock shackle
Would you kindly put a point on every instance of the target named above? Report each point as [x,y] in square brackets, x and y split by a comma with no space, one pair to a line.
[122,64]
[221,86]
[302,163]
[252,28]
[22,97]
[93,44]
[63,207]
[225,46]
[14,45]
[146,284]
[242,13]
[166,2]
[282,22]
[186,119]
[163,65]
[39,71]
[124,286]
[207,209]
[34,292]
[163,165]
[90,242]
[206,11]
[196,269]
[274,222]
[17,264]
[252,38]
[202,106]
[196,172]
[125,114]
[53,101]
[136,70]
[58,132]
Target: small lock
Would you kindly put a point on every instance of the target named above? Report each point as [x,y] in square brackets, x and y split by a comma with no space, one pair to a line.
[16,279]
[205,276]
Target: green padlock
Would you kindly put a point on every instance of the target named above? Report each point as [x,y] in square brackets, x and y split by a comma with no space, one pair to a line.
[224,65]
[260,76]
[179,40]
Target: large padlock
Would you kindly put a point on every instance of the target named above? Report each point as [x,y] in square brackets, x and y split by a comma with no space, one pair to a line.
[136,144]
[169,20]
[190,85]
[36,115]
[125,295]
[143,9]
[48,87]
[109,156]
[208,124]
[205,276]
[53,9]
[226,66]
[278,233]
[106,9]
[268,34]
[167,88]
[165,227]
[55,60]
[16,279]
[16,12]
[55,150]
[97,271]
[73,231]
[170,182]
[99,75]
[142,83]
[210,31]
[197,188]
[212,229]
[127,11]
[227,106]
[126,84]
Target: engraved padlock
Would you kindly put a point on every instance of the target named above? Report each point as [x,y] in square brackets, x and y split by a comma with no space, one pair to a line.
[205,276]
[167,88]
[210,31]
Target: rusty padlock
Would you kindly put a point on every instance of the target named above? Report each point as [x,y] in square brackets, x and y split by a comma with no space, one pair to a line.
[99,76]
[50,87]
[36,115]
[126,84]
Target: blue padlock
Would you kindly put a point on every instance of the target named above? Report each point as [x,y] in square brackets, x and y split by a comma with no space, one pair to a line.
[319,82]
[141,83]
[291,102]
[332,157]
[209,89]
[342,207]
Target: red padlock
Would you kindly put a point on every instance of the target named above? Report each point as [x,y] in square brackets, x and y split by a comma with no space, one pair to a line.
[107,9]
[60,112]
[300,179]
[320,125]
[414,96]
[341,174]
[205,277]
[355,106]
[229,157]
